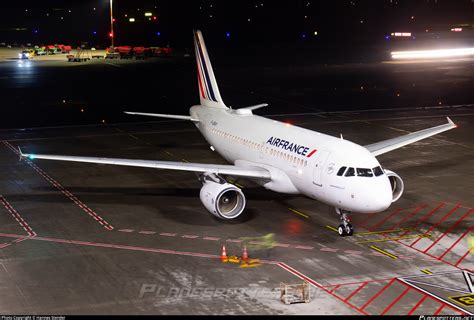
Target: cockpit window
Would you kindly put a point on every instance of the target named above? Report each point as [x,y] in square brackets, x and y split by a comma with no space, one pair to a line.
[377,171]
[361,172]
[350,172]
[341,171]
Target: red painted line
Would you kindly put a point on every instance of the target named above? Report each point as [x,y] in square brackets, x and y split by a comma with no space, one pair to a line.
[334,289]
[407,217]
[429,256]
[439,310]
[284,245]
[147,232]
[356,291]
[430,295]
[384,220]
[462,258]
[234,240]
[58,186]
[377,294]
[417,305]
[211,238]
[360,282]
[304,247]
[456,242]
[114,246]
[317,285]
[437,223]
[395,301]
[17,217]
[449,229]
[369,216]
[354,252]
[426,217]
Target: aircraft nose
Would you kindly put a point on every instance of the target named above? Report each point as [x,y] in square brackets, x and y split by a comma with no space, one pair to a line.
[382,197]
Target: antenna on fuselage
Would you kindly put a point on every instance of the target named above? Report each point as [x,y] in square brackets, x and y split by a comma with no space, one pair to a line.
[342,138]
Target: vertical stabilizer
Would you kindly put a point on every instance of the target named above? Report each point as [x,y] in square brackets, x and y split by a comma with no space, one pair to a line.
[208,90]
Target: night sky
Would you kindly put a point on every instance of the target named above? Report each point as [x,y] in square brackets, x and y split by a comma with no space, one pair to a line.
[249,22]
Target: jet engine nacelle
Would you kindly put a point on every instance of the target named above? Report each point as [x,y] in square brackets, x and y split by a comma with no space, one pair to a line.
[396,183]
[222,199]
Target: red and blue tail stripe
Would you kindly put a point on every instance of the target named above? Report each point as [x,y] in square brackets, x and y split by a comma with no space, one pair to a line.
[205,84]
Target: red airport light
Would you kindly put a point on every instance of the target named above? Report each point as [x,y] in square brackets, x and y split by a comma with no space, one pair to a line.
[154,18]
[111,35]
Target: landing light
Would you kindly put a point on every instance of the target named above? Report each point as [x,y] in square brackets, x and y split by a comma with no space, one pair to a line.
[441,53]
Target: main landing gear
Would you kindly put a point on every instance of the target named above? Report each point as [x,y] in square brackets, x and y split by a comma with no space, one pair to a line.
[345,228]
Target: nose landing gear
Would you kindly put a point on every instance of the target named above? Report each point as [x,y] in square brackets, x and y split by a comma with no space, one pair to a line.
[345,228]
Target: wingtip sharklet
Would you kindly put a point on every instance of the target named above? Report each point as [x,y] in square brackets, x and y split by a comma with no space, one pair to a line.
[451,122]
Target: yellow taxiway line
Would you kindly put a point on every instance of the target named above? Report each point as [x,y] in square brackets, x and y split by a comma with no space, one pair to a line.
[372,232]
[426,271]
[395,239]
[300,213]
[388,254]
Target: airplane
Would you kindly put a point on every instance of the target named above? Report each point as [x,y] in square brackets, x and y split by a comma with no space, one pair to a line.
[278,156]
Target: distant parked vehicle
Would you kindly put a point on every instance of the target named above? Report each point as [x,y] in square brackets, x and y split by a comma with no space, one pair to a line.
[40,51]
[25,55]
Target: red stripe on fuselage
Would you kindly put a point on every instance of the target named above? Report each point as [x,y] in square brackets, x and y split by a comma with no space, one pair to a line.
[311,153]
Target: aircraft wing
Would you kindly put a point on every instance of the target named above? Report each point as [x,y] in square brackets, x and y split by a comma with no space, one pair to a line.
[248,172]
[385,146]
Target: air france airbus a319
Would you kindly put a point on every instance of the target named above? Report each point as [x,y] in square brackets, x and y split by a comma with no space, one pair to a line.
[280,157]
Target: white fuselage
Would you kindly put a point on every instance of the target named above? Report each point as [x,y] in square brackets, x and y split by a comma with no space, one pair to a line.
[301,161]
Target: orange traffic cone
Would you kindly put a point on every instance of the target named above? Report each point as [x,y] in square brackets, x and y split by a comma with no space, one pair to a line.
[245,255]
[224,254]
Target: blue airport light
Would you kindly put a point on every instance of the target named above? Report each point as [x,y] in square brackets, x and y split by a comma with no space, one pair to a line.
[158,33]
[304,35]
[94,33]
[227,34]
[35,31]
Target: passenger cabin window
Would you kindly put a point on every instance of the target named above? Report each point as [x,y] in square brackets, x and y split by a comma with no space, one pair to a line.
[364,172]
[350,172]
[341,171]
[377,171]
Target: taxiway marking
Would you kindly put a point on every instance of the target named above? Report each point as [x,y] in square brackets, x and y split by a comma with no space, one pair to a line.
[388,254]
[17,217]
[317,285]
[331,228]
[299,212]
[63,190]
[372,232]
[395,239]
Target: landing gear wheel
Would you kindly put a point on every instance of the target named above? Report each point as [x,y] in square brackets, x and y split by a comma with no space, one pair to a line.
[349,229]
[345,228]
[341,230]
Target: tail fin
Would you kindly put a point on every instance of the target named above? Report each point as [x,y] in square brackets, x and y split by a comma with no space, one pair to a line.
[208,90]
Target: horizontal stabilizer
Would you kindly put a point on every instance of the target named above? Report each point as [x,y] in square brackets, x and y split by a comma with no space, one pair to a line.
[160,115]
[255,107]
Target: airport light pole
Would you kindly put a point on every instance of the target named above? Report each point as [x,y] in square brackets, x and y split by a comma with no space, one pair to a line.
[112,35]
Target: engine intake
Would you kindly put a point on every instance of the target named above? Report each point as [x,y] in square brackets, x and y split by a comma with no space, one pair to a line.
[222,199]
[396,183]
